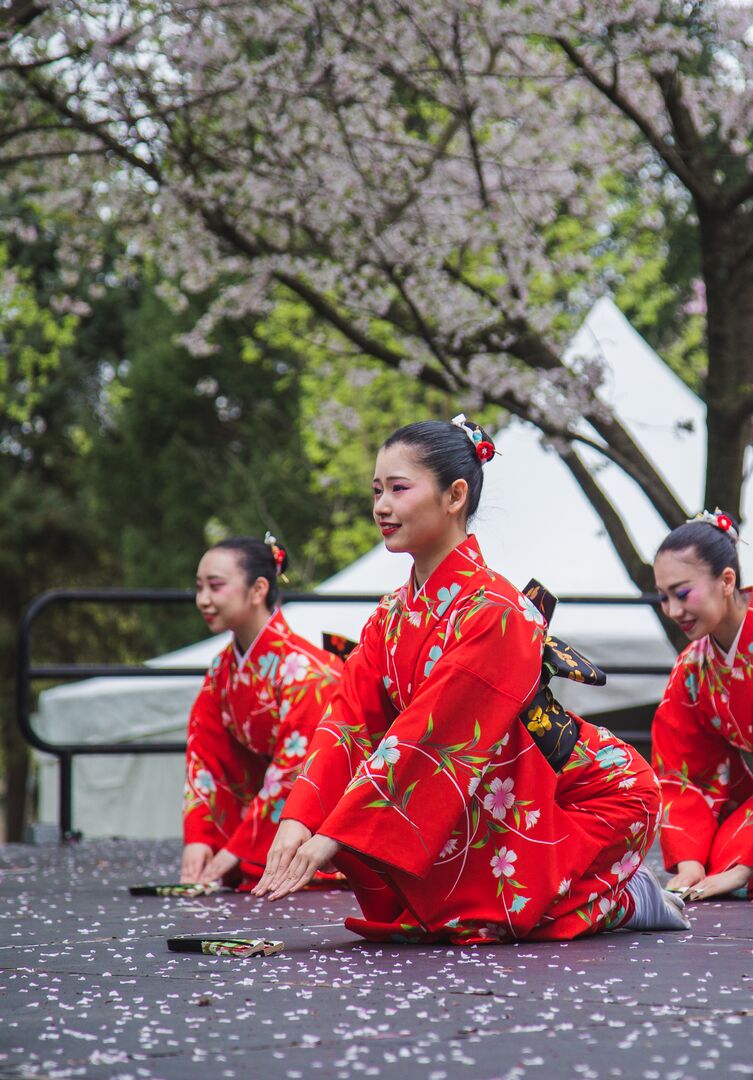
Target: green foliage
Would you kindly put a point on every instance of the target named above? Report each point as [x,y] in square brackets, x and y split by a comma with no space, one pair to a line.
[32,341]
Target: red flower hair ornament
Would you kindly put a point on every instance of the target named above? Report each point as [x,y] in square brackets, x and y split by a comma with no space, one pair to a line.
[484,448]
[278,554]
[719,520]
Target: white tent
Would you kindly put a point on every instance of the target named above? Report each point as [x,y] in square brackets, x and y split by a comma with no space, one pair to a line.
[534,521]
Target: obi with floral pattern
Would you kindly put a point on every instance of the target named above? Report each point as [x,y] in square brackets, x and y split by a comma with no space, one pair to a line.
[452,824]
[703,751]
[248,736]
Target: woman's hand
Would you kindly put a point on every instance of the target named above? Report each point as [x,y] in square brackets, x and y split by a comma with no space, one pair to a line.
[218,866]
[719,884]
[689,873]
[195,858]
[317,852]
[290,835]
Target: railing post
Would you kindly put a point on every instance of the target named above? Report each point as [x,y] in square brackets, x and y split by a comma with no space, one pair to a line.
[66,796]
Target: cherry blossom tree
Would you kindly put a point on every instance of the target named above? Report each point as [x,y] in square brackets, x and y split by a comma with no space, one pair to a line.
[403,169]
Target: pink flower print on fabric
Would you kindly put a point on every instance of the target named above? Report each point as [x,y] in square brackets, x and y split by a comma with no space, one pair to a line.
[627,865]
[449,847]
[294,668]
[502,862]
[386,753]
[532,816]
[500,797]
[272,785]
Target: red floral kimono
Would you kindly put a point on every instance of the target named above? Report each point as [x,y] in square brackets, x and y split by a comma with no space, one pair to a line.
[248,737]
[453,824]
[702,745]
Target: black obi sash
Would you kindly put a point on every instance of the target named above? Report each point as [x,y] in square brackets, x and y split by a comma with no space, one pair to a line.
[553,729]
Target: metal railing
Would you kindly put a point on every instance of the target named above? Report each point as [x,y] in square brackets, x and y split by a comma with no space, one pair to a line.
[29,672]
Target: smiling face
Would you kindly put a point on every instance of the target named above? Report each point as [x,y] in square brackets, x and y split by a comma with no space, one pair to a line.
[690,595]
[225,599]
[412,513]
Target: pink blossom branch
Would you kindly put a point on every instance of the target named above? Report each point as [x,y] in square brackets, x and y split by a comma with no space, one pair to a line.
[610,90]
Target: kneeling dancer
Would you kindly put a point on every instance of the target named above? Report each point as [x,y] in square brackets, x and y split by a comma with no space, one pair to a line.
[251,724]
[703,728]
[425,785]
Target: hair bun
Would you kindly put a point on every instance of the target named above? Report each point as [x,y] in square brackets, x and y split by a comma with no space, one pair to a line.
[482,443]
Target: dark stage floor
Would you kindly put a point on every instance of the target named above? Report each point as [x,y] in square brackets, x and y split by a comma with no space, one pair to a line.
[90,990]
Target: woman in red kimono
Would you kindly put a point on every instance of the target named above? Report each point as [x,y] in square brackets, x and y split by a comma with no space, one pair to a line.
[251,724]
[703,729]
[425,784]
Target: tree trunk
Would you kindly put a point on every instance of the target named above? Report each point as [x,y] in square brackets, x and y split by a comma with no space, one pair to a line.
[15,754]
[728,274]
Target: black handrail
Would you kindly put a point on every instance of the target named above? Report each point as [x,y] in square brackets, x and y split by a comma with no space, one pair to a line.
[27,672]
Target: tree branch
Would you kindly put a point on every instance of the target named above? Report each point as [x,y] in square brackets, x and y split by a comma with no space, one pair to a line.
[640,573]
[671,158]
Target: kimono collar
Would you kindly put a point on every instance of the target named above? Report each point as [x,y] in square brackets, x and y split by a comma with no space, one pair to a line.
[275,624]
[448,580]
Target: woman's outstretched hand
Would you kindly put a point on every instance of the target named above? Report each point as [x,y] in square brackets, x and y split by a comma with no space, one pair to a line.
[218,866]
[719,884]
[316,853]
[290,835]
[294,858]
[195,857]
[689,873]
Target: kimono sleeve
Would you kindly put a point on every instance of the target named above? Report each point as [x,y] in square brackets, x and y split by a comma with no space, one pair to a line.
[359,710]
[221,774]
[692,763]
[302,699]
[406,799]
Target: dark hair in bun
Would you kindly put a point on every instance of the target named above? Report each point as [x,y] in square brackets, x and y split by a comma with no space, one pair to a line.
[258,559]
[713,545]
[449,450]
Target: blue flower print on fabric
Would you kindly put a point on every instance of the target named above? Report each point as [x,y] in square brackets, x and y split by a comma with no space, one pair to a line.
[446,596]
[434,654]
[268,665]
[691,685]
[276,813]
[610,756]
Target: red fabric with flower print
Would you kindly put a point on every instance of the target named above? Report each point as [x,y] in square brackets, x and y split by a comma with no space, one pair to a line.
[453,825]
[248,736]
[703,753]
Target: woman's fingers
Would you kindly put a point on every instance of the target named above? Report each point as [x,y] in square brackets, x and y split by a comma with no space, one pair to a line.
[277,865]
[270,871]
[689,873]
[290,836]
[301,872]
[310,857]
[721,884]
[195,858]
[218,866]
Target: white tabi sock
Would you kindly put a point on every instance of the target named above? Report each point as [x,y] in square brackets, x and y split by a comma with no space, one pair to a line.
[655,909]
